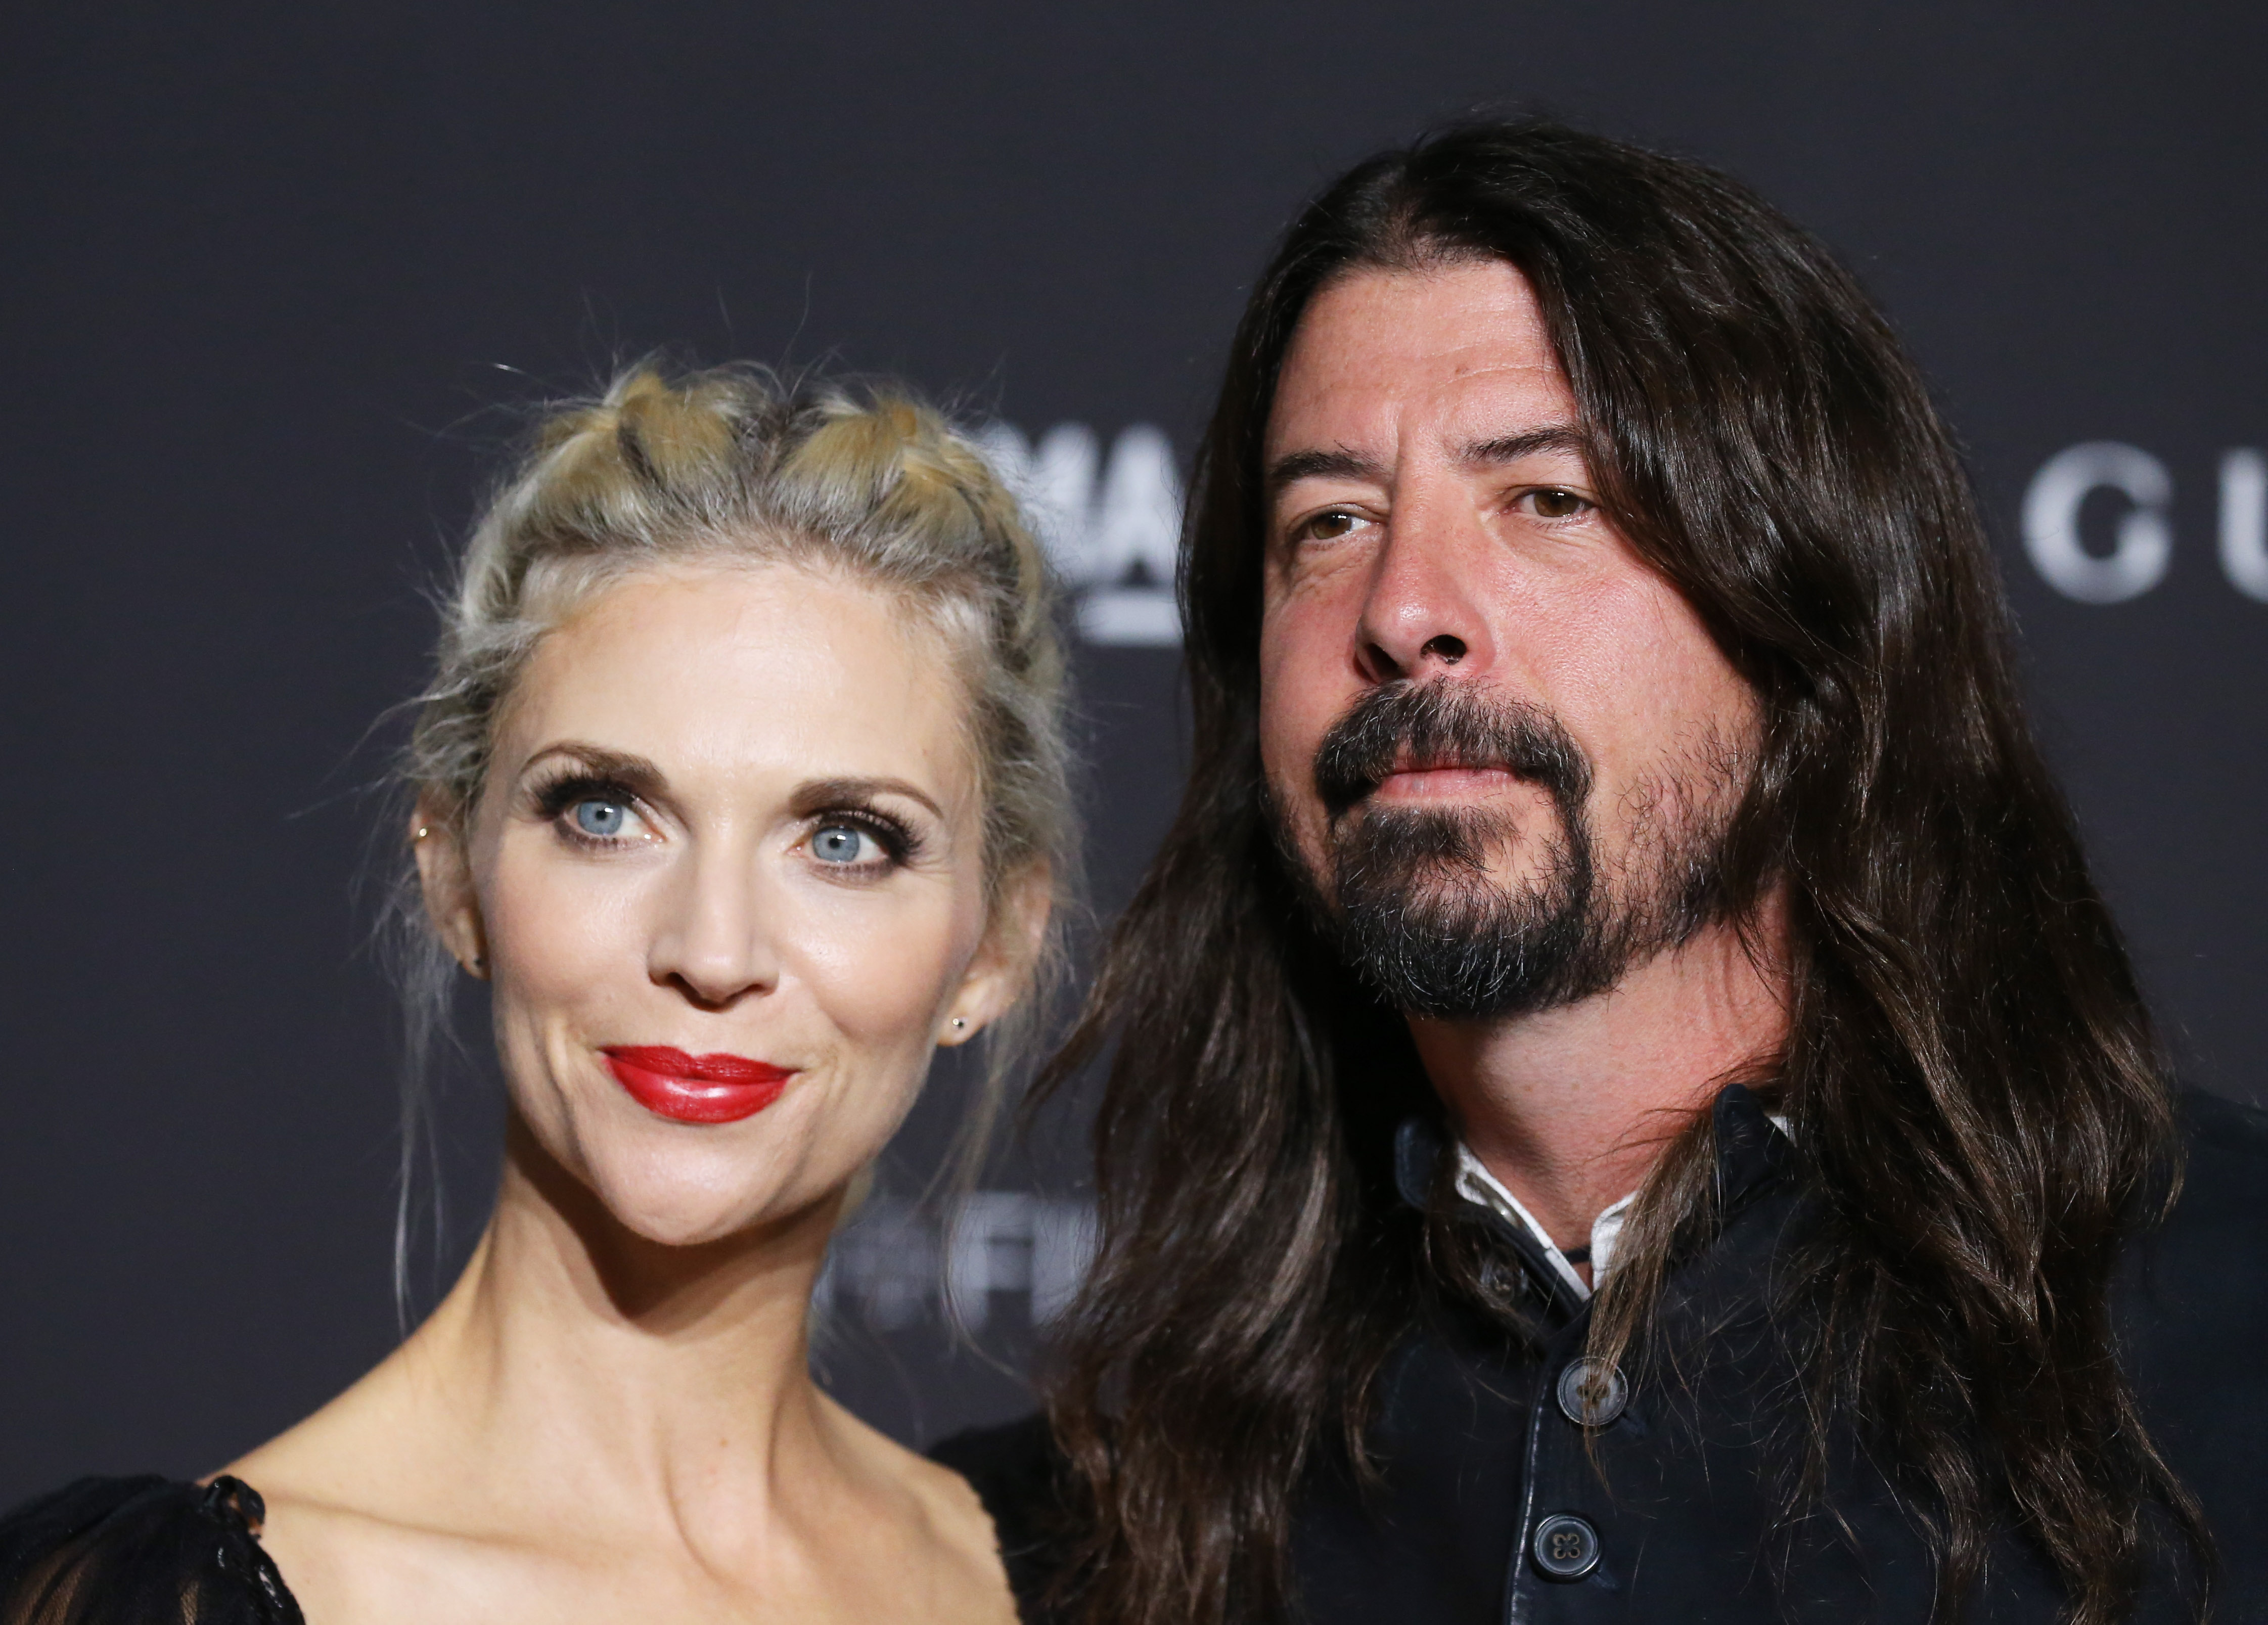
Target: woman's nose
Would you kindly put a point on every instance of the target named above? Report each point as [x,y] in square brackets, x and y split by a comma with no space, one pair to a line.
[712,942]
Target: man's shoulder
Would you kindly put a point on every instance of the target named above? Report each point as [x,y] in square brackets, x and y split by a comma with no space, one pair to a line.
[2223,1125]
[2194,1283]
[2225,1166]
[2193,1318]
[1024,1479]
[1015,1459]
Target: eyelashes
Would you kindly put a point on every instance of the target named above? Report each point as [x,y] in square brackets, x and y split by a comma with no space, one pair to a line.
[556,797]
[899,841]
[557,800]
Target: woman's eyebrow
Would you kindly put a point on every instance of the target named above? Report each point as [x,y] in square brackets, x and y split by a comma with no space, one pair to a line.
[632,772]
[817,795]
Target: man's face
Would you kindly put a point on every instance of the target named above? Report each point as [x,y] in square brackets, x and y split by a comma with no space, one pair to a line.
[1502,747]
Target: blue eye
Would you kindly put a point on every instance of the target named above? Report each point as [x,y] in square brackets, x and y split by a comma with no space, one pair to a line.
[602,819]
[843,843]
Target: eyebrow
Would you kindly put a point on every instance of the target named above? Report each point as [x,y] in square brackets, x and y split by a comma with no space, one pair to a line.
[1342,464]
[1532,443]
[632,772]
[640,774]
[817,795]
[1346,463]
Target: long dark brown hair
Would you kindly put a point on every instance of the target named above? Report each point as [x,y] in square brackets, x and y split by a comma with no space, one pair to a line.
[1980,1102]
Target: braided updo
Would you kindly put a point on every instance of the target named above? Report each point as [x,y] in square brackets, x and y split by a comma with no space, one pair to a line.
[731,464]
[727,465]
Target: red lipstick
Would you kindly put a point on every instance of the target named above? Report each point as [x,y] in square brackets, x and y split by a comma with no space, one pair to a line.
[695,1089]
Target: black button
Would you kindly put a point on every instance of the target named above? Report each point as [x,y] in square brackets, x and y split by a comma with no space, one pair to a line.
[1592,1392]
[1566,1546]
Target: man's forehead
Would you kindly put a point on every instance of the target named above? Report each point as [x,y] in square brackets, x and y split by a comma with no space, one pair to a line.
[1458,354]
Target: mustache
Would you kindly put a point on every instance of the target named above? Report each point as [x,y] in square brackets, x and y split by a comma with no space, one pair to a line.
[1445,723]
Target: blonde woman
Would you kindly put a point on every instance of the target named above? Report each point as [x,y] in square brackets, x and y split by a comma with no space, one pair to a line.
[740,784]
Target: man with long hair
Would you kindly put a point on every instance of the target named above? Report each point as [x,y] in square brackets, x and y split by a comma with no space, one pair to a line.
[1624,1102]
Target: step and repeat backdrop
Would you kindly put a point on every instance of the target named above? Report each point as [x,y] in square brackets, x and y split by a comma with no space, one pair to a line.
[278,280]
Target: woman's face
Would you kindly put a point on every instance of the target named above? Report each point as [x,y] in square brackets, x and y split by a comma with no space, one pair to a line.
[727,878]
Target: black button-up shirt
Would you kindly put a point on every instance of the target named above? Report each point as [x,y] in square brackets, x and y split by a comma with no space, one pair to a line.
[1515,1493]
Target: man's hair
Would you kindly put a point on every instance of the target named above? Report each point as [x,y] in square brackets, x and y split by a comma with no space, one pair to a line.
[1979,1104]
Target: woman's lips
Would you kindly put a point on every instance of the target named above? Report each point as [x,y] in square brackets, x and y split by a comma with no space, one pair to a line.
[695,1089]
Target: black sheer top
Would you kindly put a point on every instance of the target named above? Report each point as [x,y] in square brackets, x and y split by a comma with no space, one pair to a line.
[138,1551]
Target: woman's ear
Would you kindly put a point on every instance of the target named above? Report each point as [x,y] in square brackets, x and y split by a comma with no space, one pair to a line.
[445,874]
[1002,969]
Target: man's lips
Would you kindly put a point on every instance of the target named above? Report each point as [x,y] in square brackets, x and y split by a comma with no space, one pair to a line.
[1437,780]
[695,1089]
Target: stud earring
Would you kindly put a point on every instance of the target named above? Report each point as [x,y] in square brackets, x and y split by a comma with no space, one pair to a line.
[421,833]
[961,1024]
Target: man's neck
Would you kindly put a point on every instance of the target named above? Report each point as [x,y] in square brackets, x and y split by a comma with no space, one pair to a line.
[1571,1107]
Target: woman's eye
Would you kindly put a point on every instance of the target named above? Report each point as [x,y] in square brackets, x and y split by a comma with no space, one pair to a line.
[844,844]
[1553,503]
[600,820]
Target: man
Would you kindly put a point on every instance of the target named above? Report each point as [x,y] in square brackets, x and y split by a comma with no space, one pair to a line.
[1626,1104]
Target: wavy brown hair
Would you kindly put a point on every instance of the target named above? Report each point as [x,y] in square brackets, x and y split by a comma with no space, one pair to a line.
[1980,1102]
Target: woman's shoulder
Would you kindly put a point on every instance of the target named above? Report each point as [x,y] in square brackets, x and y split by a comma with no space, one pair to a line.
[119,1551]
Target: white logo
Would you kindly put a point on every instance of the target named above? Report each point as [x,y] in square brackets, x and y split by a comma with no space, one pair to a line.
[1111,529]
[2144,543]
[891,1265]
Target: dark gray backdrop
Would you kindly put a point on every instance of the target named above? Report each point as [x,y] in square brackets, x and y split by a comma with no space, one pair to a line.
[268,272]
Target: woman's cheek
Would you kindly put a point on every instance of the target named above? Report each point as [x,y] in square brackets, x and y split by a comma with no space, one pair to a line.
[563,940]
[881,979]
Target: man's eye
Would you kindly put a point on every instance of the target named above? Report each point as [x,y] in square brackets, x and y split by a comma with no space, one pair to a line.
[602,819]
[1328,526]
[1551,502]
[844,844]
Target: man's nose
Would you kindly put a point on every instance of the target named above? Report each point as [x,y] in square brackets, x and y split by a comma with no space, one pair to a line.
[711,941]
[1424,613]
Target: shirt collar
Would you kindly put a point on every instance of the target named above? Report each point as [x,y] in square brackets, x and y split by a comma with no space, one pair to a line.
[1476,1185]
[1754,1147]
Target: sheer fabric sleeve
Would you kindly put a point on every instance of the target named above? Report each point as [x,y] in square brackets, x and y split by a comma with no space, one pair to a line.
[141,1551]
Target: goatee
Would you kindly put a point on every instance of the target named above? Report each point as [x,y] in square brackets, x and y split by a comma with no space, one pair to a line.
[1409,898]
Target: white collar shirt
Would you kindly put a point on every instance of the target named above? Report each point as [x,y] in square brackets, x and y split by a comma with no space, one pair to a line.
[1476,1185]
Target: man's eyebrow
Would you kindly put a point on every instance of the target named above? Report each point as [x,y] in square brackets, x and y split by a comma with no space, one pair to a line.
[1530,442]
[819,795]
[1342,464]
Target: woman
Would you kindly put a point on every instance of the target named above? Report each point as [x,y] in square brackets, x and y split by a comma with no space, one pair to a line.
[742,784]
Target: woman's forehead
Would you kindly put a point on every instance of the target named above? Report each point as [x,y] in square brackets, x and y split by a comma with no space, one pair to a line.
[766,669]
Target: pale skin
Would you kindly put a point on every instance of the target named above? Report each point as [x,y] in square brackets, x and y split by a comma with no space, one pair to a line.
[1432,517]
[611,1417]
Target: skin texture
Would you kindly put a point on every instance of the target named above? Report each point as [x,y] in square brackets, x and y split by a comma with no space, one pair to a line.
[1434,518]
[611,1417]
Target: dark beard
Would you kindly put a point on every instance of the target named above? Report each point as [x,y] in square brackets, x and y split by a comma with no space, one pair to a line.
[1412,904]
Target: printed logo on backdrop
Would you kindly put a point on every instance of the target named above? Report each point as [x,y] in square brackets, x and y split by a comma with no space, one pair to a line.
[2142,540]
[1111,522]
[1007,1251]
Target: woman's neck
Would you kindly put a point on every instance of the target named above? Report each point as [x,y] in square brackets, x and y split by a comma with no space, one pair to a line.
[641,1381]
